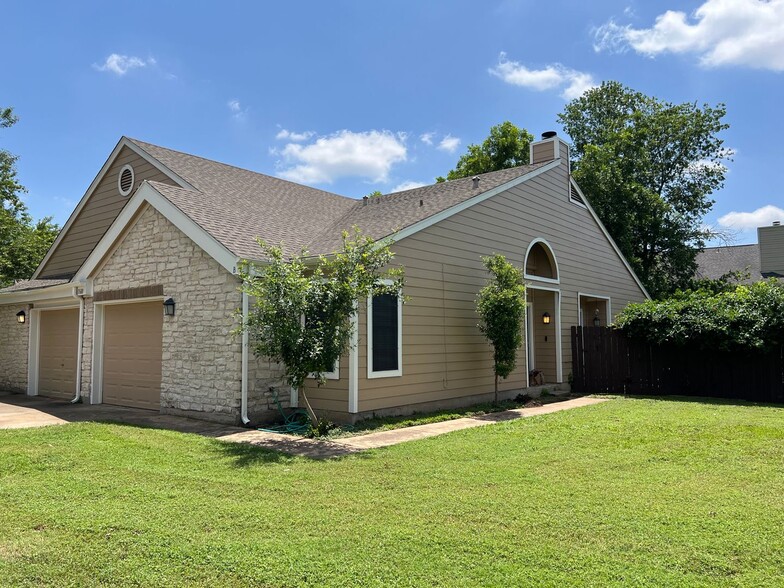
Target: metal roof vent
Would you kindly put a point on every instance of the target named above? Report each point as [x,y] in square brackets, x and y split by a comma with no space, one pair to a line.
[476,182]
[776,223]
[125,181]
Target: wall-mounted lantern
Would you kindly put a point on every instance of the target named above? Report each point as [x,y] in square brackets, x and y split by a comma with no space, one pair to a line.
[21,317]
[597,322]
[168,307]
[546,318]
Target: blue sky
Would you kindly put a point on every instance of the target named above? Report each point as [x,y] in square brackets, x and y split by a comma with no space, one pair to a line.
[360,96]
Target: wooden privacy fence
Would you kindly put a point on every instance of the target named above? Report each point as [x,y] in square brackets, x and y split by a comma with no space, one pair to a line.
[606,361]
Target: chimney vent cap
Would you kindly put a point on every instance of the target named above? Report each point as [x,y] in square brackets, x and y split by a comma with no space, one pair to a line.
[549,135]
[476,181]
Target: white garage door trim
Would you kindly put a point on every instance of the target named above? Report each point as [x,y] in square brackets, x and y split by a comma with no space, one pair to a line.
[34,346]
[96,392]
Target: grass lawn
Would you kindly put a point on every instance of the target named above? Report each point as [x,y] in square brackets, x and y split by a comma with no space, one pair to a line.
[625,493]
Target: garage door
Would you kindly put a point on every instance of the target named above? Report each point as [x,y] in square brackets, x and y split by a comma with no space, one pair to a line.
[58,341]
[132,346]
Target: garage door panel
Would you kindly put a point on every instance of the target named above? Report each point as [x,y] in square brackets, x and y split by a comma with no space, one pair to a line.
[57,352]
[132,354]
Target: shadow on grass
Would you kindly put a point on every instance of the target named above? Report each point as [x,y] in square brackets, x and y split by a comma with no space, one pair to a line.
[244,455]
[700,400]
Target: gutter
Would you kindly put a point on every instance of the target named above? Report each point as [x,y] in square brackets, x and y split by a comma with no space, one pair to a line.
[244,401]
[78,396]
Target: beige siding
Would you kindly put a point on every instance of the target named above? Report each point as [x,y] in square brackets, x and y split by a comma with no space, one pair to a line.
[771,243]
[444,355]
[543,152]
[333,394]
[97,215]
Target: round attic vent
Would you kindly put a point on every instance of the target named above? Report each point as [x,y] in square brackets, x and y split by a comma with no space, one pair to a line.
[125,181]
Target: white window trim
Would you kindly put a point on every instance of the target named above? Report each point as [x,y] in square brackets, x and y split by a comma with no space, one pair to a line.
[387,373]
[557,279]
[608,309]
[333,375]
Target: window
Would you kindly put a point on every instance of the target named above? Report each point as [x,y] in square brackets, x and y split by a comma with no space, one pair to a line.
[540,262]
[385,336]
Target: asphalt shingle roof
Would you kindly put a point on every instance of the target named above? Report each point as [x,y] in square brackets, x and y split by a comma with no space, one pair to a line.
[714,262]
[33,285]
[236,206]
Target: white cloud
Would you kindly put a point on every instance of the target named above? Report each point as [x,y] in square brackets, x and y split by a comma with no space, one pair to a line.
[234,105]
[237,111]
[572,82]
[427,138]
[449,144]
[369,154]
[121,64]
[750,220]
[408,185]
[285,134]
[720,32]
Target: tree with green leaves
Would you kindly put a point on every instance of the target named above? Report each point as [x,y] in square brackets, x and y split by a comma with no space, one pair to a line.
[23,241]
[649,168]
[501,307]
[303,305]
[505,147]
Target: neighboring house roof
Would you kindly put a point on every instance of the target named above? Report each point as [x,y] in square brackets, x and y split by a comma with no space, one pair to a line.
[382,216]
[236,205]
[714,262]
[32,285]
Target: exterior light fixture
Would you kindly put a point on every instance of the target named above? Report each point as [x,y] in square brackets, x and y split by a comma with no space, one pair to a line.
[168,307]
[21,317]
[596,320]
[546,318]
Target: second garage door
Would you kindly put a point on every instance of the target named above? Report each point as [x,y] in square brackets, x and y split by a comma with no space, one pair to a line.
[132,354]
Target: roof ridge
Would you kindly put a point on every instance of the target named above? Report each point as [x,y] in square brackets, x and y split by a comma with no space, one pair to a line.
[141,144]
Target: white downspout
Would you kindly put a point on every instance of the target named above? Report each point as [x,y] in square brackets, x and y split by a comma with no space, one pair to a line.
[244,402]
[78,396]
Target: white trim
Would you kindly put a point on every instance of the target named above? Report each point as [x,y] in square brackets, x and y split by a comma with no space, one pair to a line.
[32,351]
[530,348]
[80,342]
[611,240]
[40,294]
[608,306]
[131,301]
[371,374]
[294,397]
[147,194]
[123,142]
[332,375]
[558,334]
[129,167]
[557,279]
[245,344]
[353,364]
[446,213]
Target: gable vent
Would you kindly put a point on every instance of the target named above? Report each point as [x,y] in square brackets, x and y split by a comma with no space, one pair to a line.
[574,195]
[125,181]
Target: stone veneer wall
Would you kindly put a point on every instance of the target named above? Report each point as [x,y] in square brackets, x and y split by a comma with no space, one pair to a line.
[13,349]
[201,358]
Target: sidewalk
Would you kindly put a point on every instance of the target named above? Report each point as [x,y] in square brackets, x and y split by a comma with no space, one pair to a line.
[315,448]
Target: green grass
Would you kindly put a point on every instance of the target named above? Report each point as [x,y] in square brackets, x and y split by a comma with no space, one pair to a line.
[624,493]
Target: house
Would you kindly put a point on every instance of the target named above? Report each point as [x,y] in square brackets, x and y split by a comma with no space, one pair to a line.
[135,302]
[761,260]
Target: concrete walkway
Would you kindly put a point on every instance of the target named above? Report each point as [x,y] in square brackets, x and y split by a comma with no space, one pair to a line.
[339,447]
[19,411]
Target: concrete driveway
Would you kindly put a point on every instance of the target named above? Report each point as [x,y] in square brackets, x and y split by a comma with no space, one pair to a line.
[18,411]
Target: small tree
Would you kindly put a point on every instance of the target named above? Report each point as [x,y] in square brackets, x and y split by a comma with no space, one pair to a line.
[301,316]
[501,306]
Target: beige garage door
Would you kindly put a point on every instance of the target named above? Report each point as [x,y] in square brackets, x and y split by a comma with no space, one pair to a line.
[132,346]
[58,340]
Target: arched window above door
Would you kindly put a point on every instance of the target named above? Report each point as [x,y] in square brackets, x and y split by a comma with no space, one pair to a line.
[540,262]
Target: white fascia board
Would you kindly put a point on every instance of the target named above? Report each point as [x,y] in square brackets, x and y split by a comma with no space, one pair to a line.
[38,295]
[610,239]
[123,142]
[146,194]
[446,213]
